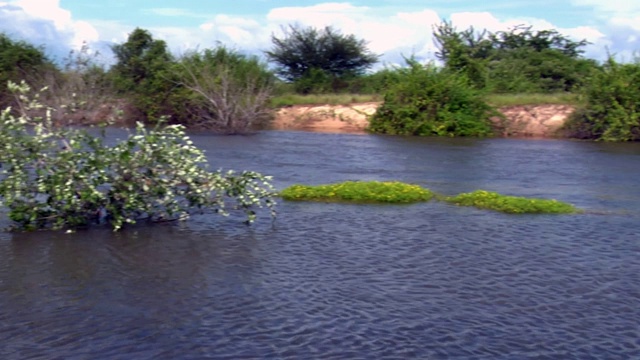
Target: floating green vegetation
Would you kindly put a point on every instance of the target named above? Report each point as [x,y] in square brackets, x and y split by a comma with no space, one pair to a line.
[359,191]
[395,192]
[511,204]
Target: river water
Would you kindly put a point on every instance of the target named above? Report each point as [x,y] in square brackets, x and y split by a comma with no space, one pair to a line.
[338,281]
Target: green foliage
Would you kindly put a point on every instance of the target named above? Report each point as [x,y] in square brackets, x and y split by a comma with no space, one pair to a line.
[314,81]
[319,57]
[374,83]
[519,60]
[64,178]
[19,60]
[223,90]
[360,192]
[530,71]
[511,204]
[464,51]
[428,101]
[142,73]
[318,82]
[612,107]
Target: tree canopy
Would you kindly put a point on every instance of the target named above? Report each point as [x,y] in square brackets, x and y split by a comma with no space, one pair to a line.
[518,60]
[142,70]
[19,61]
[303,50]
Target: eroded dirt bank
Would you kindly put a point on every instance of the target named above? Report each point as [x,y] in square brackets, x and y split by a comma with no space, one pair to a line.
[541,121]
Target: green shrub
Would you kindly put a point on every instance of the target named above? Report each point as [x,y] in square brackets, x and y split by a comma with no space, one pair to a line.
[511,204]
[429,101]
[612,107]
[64,178]
[20,60]
[520,60]
[361,192]
[223,90]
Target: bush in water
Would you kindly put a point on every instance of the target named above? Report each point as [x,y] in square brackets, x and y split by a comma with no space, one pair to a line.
[64,178]
[611,111]
[511,204]
[429,101]
[359,191]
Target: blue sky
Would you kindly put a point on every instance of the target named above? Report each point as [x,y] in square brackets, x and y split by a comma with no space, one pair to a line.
[392,28]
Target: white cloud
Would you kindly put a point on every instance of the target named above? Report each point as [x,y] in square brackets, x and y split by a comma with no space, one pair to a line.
[619,25]
[44,22]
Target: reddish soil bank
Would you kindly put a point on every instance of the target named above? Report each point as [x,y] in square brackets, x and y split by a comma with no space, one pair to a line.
[541,121]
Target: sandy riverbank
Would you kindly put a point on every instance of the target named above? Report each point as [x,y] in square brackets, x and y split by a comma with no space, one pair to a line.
[542,121]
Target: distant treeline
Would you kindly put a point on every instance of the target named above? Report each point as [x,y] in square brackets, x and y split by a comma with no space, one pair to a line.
[225,90]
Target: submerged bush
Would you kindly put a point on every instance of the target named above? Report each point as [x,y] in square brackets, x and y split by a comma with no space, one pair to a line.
[429,101]
[64,178]
[357,191]
[511,204]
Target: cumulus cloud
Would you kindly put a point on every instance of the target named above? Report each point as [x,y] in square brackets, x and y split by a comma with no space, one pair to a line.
[43,22]
[619,26]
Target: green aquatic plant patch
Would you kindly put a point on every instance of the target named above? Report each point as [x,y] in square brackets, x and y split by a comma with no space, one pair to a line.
[511,204]
[359,191]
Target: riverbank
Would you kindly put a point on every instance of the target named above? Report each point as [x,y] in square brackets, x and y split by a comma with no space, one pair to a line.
[534,121]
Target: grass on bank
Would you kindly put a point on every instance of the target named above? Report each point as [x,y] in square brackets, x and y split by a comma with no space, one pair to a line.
[394,192]
[502,100]
[511,204]
[322,99]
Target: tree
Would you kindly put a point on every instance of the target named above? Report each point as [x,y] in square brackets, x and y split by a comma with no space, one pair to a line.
[142,70]
[518,60]
[304,52]
[19,60]
[464,51]
[229,91]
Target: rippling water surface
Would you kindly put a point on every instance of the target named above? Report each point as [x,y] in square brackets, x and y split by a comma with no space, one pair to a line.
[328,281]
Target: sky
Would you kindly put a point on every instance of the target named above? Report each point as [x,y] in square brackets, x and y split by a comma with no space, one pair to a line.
[392,28]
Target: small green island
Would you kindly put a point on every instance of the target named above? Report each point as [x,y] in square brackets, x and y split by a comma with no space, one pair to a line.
[360,192]
[511,204]
[395,192]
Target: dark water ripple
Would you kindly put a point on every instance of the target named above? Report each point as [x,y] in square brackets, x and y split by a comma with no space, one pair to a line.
[326,281]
